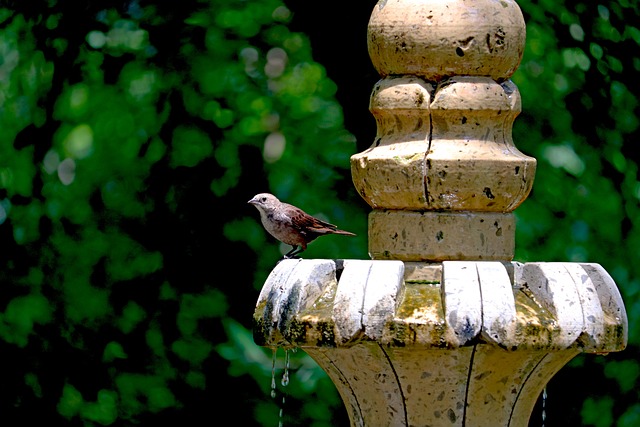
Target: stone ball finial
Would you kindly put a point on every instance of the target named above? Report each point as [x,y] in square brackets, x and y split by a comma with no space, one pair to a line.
[435,39]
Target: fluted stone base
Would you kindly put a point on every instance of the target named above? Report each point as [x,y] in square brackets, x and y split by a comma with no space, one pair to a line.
[478,385]
[453,343]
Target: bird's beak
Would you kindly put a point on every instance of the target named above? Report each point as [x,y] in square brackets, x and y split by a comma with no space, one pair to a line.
[252,201]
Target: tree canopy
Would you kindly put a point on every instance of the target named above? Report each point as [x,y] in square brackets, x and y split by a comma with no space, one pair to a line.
[132,134]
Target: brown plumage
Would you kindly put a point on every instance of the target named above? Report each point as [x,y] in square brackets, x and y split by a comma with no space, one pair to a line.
[291,225]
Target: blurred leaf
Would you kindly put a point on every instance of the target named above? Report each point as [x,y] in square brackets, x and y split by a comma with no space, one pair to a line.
[245,356]
[71,401]
[598,412]
[112,351]
[626,372]
[104,410]
[21,315]
[190,146]
[132,315]
[192,350]
[631,417]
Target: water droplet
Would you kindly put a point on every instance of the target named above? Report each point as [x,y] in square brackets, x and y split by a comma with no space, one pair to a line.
[280,422]
[273,373]
[285,375]
[544,405]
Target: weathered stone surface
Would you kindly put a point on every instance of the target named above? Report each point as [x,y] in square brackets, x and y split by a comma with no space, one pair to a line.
[457,343]
[438,236]
[472,162]
[613,311]
[499,314]
[461,301]
[533,306]
[362,308]
[292,287]
[444,149]
[437,39]
[391,173]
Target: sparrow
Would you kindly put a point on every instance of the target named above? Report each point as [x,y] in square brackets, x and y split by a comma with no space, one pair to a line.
[291,225]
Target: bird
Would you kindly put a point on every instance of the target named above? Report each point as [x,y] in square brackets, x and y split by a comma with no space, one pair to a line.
[290,224]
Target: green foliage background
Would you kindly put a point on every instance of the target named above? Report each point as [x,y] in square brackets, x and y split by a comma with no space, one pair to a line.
[132,133]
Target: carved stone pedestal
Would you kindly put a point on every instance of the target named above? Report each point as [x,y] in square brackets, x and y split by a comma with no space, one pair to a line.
[442,328]
[451,344]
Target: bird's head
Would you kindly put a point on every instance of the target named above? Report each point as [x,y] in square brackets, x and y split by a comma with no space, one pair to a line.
[264,201]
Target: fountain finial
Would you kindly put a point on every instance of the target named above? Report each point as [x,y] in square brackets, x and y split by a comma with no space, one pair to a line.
[443,175]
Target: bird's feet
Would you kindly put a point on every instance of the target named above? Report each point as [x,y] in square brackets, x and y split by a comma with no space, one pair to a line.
[293,253]
[287,257]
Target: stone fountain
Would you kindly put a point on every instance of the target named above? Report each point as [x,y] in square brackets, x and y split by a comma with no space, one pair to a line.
[441,327]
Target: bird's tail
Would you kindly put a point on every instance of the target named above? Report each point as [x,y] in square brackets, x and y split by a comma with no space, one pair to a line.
[346,233]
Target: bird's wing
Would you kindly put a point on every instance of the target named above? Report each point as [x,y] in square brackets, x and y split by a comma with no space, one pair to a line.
[304,221]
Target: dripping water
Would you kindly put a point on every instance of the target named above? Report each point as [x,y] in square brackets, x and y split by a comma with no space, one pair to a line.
[284,381]
[544,405]
[280,414]
[285,374]
[273,373]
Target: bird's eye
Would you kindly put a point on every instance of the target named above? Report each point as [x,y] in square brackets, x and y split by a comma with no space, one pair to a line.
[263,199]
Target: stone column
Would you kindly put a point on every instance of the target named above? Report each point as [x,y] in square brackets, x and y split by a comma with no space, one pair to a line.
[443,175]
[442,327]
